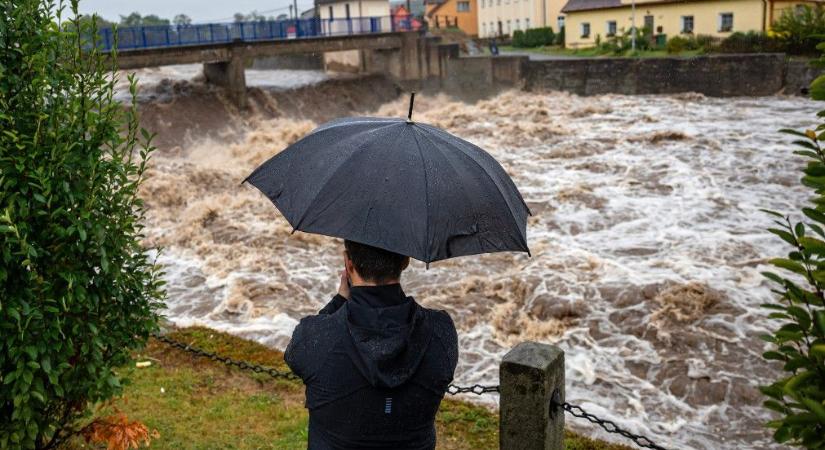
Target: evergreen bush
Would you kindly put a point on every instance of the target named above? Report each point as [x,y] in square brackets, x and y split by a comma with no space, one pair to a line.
[534,37]
[518,39]
[77,291]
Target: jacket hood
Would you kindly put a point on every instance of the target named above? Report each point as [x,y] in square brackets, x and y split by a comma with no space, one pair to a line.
[388,332]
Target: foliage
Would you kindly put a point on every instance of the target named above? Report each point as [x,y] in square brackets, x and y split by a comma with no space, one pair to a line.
[117,432]
[560,37]
[182,20]
[799,341]
[800,28]
[750,42]
[77,291]
[679,44]
[136,20]
[534,37]
[623,42]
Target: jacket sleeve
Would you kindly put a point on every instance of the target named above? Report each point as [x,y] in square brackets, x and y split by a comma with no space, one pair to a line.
[297,352]
[333,304]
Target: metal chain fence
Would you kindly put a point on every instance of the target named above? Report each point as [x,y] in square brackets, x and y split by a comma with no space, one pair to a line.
[574,410]
[609,426]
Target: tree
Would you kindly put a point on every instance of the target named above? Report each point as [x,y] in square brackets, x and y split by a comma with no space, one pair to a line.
[78,293]
[153,20]
[181,20]
[132,20]
[239,17]
[801,28]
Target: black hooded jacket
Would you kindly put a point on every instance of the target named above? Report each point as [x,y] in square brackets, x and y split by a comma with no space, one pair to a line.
[375,368]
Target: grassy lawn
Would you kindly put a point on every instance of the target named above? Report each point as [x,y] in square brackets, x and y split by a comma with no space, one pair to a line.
[596,52]
[195,403]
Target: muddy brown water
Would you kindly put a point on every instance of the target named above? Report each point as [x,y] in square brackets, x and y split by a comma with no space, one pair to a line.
[646,238]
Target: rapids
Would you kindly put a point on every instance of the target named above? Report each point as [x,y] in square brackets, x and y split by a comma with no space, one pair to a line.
[646,238]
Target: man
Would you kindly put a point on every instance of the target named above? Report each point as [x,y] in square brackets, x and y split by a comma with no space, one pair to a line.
[375,363]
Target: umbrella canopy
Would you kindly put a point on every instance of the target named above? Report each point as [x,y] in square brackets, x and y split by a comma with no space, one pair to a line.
[403,186]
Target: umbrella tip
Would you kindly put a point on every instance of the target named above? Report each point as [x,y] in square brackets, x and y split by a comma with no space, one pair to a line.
[412,101]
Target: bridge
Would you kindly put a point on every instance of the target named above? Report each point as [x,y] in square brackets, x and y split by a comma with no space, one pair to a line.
[388,45]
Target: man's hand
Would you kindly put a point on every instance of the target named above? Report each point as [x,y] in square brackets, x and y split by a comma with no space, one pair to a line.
[343,288]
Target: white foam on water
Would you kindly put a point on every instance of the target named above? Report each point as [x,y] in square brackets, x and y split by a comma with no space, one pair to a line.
[647,245]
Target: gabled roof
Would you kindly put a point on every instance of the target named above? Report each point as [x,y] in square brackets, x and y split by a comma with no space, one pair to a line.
[586,5]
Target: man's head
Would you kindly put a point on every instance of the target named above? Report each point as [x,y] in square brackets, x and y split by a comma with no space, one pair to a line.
[372,265]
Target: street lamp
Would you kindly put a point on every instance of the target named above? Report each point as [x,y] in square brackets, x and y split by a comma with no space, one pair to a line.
[633,26]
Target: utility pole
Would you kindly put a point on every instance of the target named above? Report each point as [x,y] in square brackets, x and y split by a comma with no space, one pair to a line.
[633,26]
[290,12]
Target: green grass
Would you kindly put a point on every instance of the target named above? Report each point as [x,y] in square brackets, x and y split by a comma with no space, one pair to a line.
[594,52]
[195,403]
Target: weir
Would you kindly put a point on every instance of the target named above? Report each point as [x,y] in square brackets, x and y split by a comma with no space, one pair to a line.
[404,56]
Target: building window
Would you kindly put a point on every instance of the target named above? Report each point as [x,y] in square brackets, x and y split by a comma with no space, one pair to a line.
[725,22]
[585,29]
[611,28]
[687,24]
[463,6]
[484,29]
[649,24]
[508,27]
[560,22]
[527,23]
[330,13]
[518,23]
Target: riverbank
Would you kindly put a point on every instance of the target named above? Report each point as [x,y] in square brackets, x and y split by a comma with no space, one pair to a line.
[196,403]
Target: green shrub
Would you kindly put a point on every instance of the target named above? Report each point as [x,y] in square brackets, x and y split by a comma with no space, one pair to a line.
[750,42]
[560,37]
[679,44]
[800,29]
[518,39]
[798,341]
[534,37]
[77,291]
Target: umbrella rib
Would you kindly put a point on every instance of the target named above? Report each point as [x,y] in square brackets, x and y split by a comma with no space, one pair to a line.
[335,172]
[512,213]
[426,199]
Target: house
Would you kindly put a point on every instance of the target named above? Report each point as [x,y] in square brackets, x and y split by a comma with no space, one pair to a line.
[589,20]
[353,16]
[502,17]
[403,20]
[339,17]
[453,13]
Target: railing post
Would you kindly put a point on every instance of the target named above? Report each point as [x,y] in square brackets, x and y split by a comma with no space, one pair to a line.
[531,375]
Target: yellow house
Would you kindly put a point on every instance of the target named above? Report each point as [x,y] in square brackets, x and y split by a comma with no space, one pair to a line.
[502,17]
[588,20]
[448,13]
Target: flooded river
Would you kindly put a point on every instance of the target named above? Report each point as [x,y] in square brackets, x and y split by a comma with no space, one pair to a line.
[646,237]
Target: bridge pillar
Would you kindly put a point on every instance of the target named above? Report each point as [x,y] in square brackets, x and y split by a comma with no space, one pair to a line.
[230,75]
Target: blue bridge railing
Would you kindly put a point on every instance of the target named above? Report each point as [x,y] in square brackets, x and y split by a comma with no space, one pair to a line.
[141,37]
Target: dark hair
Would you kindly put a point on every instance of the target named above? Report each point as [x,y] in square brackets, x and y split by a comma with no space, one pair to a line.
[375,264]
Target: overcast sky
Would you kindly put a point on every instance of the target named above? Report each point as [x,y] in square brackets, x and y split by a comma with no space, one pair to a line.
[198,10]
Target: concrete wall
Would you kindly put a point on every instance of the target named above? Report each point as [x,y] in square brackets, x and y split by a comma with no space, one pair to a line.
[293,62]
[718,76]
[798,76]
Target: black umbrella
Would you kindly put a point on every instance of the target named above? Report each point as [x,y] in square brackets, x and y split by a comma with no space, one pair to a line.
[403,186]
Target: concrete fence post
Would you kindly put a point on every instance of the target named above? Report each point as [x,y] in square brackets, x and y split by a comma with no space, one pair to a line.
[531,375]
